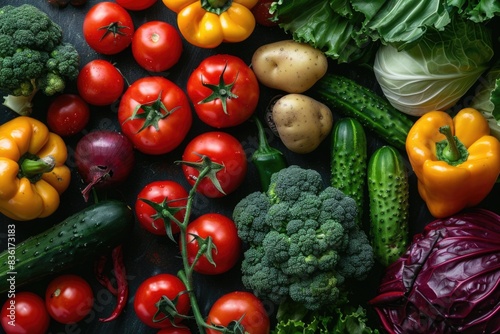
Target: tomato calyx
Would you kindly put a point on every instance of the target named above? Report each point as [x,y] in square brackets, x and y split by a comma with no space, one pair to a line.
[164,212]
[206,246]
[206,165]
[167,308]
[114,28]
[221,91]
[234,327]
[154,112]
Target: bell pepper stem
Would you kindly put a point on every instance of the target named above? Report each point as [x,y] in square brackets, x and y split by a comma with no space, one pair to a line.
[34,167]
[451,151]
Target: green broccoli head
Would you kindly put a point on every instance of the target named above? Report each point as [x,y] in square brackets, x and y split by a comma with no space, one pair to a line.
[32,56]
[29,27]
[311,240]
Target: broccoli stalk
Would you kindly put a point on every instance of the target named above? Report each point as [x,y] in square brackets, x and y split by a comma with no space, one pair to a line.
[304,244]
[33,57]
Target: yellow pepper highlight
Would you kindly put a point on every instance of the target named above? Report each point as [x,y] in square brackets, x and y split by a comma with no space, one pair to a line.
[450,180]
[208,23]
[33,173]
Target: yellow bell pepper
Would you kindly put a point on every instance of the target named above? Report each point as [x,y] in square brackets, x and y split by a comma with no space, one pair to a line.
[208,23]
[33,173]
[456,160]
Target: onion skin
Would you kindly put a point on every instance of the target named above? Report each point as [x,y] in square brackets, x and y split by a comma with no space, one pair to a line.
[104,159]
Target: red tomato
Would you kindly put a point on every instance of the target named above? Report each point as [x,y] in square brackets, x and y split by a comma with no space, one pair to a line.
[136,4]
[174,330]
[223,149]
[224,236]
[155,114]
[236,305]
[24,313]
[168,195]
[156,46]
[68,114]
[108,28]
[69,298]
[99,83]
[261,13]
[224,91]
[151,291]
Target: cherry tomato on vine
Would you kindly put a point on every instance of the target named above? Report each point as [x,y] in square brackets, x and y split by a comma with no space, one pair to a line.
[136,4]
[261,13]
[236,305]
[222,149]
[224,91]
[100,83]
[156,293]
[24,314]
[69,298]
[108,28]
[225,244]
[165,196]
[68,114]
[156,46]
[155,114]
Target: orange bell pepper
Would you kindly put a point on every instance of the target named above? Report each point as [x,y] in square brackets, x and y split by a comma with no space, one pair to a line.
[208,23]
[33,173]
[456,160]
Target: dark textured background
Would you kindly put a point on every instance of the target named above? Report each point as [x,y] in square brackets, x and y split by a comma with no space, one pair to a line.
[145,254]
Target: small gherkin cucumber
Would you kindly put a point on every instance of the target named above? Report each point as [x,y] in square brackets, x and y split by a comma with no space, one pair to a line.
[388,193]
[349,161]
[95,229]
[373,111]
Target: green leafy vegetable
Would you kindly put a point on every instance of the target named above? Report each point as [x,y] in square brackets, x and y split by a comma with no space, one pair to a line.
[348,30]
[293,319]
[487,99]
[436,72]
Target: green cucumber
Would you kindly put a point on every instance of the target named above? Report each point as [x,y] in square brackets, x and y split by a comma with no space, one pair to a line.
[388,193]
[93,230]
[349,160]
[373,111]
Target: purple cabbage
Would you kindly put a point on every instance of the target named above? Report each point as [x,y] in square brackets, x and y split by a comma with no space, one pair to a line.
[447,281]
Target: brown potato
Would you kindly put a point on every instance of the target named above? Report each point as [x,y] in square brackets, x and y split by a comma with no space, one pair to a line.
[289,66]
[302,122]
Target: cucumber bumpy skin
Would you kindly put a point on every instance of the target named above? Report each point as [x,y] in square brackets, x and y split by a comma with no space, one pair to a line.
[349,161]
[373,111]
[95,229]
[388,192]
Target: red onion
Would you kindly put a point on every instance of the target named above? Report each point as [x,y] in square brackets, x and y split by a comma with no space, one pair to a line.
[104,158]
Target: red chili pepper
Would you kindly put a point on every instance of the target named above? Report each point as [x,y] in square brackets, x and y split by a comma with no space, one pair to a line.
[121,292]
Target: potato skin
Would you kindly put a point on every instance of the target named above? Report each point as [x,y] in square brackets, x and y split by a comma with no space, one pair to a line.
[302,122]
[289,66]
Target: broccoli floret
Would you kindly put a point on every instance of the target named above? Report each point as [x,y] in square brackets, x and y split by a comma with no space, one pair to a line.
[33,56]
[308,240]
[293,185]
[253,225]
